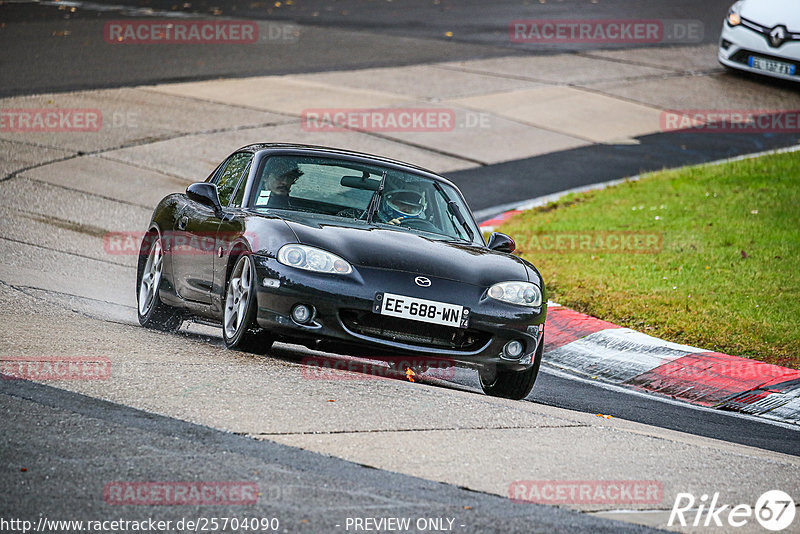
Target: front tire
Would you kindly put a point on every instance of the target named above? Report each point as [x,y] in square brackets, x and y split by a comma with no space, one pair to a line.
[508,384]
[151,311]
[238,325]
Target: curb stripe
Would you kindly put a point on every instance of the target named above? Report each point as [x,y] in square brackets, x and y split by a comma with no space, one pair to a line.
[565,326]
[781,386]
[709,378]
[592,347]
[788,411]
[488,226]
[614,354]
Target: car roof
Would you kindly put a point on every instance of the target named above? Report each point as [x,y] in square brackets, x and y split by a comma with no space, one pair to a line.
[363,157]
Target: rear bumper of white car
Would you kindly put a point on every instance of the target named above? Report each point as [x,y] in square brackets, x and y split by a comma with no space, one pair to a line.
[746,49]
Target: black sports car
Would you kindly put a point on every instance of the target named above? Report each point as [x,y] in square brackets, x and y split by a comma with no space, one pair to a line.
[345,252]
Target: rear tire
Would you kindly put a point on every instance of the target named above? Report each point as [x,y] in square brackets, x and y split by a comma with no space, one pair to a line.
[239,329]
[514,385]
[151,311]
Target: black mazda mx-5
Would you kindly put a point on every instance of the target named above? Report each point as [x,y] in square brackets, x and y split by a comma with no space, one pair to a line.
[345,252]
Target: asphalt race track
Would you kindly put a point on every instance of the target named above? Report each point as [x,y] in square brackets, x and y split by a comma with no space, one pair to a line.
[182,408]
[318,493]
[43,58]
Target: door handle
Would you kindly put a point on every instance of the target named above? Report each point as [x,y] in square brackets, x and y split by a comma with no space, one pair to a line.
[183,222]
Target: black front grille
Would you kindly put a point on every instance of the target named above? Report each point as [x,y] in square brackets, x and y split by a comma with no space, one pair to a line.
[413,332]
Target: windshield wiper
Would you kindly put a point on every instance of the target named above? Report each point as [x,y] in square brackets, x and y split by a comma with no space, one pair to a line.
[455,210]
[373,202]
[452,206]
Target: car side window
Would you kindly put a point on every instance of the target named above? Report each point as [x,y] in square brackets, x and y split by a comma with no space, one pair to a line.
[214,176]
[229,177]
[239,196]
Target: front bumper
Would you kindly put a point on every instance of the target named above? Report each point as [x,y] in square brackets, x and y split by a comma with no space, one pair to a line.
[738,43]
[343,320]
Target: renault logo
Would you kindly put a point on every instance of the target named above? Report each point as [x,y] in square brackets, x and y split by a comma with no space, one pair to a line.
[777,36]
[421,281]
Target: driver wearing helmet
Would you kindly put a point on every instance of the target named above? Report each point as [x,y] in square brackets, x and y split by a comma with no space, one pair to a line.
[401,204]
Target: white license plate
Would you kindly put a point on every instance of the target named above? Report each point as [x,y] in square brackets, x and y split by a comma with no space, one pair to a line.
[770,65]
[427,311]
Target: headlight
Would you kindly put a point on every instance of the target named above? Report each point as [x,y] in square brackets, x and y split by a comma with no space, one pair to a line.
[733,17]
[313,259]
[521,293]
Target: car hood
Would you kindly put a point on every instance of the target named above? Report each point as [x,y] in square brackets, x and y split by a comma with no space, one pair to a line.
[380,247]
[770,13]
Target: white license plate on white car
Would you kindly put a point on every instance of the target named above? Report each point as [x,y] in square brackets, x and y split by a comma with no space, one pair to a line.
[427,311]
[770,65]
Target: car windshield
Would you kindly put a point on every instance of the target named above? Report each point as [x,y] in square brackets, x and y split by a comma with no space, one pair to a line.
[352,190]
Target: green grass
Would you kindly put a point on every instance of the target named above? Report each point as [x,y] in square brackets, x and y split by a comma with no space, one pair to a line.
[727,277]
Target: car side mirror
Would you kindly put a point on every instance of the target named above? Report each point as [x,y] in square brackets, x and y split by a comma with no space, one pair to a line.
[206,194]
[501,243]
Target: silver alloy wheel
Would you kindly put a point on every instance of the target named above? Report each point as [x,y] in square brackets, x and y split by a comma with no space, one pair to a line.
[237,297]
[151,278]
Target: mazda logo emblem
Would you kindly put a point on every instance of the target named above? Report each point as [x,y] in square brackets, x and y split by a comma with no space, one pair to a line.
[777,36]
[421,281]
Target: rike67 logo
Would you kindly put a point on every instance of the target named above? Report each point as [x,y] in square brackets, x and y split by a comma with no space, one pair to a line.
[774,510]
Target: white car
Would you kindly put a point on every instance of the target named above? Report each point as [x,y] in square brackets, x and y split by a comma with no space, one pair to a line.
[763,37]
